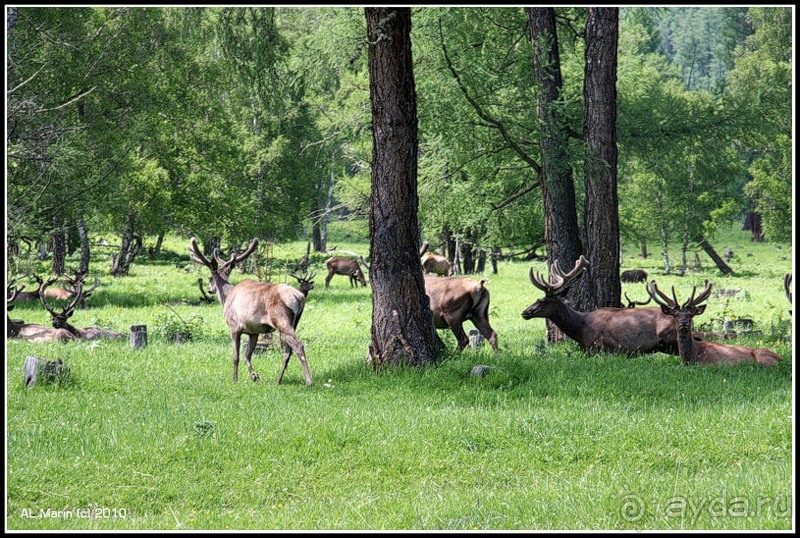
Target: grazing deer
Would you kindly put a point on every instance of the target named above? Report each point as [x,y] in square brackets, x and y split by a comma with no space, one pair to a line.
[434,263]
[345,266]
[633,275]
[619,330]
[60,320]
[693,351]
[455,300]
[254,308]
[30,331]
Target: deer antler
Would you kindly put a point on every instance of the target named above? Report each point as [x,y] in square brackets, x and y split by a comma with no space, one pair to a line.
[558,280]
[12,292]
[632,303]
[658,296]
[198,257]
[692,302]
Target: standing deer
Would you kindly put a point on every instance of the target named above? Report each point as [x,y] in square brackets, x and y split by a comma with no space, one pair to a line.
[254,308]
[619,330]
[345,266]
[694,351]
[306,282]
[434,263]
[60,320]
[455,300]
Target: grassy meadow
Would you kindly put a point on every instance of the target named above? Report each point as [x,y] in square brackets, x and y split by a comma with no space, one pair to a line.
[551,438]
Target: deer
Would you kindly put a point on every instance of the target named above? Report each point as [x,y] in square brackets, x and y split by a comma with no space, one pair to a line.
[306,282]
[31,332]
[633,275]
[434,263]
[694,351]
[60,320]
[455,300]
[345,266]
[254,308]
[619,330]
[62,294]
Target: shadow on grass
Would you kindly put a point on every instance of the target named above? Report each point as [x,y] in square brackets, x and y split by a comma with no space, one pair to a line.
[564,372]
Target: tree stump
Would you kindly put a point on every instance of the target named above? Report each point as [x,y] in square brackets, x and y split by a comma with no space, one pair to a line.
[475,338]
[138,336]
[479,370]
[44,372]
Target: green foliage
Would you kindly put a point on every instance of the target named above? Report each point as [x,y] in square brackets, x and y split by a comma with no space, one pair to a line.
[168,324]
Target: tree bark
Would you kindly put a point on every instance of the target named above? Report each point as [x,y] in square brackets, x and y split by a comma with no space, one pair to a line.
[59,247]
[721,265]
[83,268]
[561,232]
[402,324]
[601,206]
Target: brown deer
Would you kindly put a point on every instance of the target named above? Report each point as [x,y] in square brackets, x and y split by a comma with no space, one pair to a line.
[306,281]
[694,351]
[455,300]
[63,293]
[60,320]
[434,263]
[619,330]
[633,275]
[254,308]
[31,332]
[345,266]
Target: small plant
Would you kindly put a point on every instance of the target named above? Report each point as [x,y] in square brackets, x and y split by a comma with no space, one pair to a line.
[174,328]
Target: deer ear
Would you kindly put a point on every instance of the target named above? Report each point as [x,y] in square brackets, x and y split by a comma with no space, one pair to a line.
[697,310]
[666,310]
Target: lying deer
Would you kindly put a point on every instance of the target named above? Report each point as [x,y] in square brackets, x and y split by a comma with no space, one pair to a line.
[455,300]
[348,267]
[60,320]
[619,330]
[693,351]
[254,308]
[30,331]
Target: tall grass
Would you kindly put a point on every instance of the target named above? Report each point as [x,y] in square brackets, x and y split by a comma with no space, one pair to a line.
[551,438]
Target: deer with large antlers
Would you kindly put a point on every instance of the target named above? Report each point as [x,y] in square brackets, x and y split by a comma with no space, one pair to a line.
[30,331]
[60,320]
[254,308]
[619,330]
[694,351]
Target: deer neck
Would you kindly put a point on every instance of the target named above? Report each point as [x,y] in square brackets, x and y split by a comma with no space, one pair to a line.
[223,287]
[569,320]
[686,347]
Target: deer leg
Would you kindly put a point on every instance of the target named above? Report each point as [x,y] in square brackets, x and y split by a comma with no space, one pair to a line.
[287,352]
[458,330]
[236,337]
[293,343]
[328,279]
[248,353]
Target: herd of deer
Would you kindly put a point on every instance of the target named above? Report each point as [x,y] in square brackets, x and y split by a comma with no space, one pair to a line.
[253,308]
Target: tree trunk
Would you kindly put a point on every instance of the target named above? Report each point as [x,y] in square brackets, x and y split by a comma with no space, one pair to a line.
[402,324]
[643,252]
[121,263]
[83,268]
[601,206]
[721,265]
[561,232]
[59,246]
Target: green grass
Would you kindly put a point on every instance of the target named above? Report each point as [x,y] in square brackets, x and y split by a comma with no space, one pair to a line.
[551,438]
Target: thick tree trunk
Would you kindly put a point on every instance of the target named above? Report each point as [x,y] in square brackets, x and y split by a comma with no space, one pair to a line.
[121,263]
[561,232]
[601,206]
[402,324]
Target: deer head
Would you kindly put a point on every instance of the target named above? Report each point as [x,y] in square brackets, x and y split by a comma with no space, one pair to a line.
[306,281]
[60,319]
[683,313]
[220,269]
[554,289]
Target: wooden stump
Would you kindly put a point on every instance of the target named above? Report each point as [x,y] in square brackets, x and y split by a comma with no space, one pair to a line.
[44,372]
[475,338]
[138,336]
